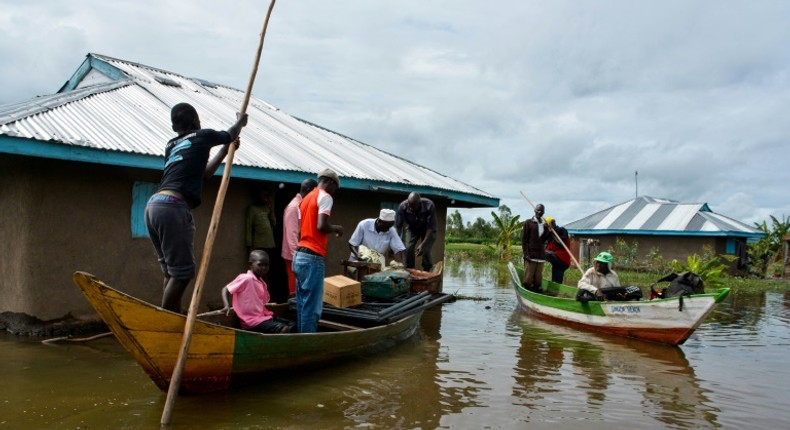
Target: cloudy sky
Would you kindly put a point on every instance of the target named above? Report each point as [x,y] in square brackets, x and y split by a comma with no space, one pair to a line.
[562,100]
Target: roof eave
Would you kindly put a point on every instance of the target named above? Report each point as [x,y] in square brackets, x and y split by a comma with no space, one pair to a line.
[61,151]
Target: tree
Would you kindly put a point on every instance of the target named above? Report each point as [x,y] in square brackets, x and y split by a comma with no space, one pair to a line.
[480,229]
[506,229]
[768,250]
[455,225]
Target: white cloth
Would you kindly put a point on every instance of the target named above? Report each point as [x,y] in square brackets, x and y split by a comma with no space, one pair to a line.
[387,215]
[594,280]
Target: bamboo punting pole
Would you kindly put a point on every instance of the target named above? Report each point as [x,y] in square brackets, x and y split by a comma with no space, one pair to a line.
[578,266]
[175,379]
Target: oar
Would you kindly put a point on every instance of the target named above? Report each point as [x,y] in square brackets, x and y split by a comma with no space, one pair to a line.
[578,266]
[175,380]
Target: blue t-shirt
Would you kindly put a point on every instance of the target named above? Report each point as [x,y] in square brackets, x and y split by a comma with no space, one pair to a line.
[185,162]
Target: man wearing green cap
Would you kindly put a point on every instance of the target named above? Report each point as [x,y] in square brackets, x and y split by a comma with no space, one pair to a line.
[599,276]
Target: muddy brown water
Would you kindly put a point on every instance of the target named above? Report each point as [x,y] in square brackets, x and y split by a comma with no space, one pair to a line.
[476,364]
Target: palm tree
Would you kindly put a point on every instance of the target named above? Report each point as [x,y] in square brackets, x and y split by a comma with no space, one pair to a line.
[506,227]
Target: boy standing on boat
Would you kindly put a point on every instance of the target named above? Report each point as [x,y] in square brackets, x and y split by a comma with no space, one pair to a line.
[308,264]
[250,295]
[599,276]
[168,213]
[533,242]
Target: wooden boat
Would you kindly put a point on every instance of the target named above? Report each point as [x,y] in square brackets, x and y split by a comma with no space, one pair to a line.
[670,321]
[220,356]
[427,281]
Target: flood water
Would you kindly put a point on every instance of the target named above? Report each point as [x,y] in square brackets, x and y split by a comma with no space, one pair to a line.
[476,364]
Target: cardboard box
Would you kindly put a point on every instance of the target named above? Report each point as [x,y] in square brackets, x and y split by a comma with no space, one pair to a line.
[342,291]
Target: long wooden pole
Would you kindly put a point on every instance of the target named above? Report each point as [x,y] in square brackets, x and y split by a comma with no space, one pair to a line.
[175,380]
[578,266]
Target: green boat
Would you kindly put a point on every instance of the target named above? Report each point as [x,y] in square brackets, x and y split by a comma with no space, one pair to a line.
[670,321]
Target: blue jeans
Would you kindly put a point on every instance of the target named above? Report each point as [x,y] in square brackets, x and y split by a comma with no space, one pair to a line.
[309,272]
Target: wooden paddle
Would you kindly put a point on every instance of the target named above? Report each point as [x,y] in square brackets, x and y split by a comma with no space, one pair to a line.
[175,380]
[578,266]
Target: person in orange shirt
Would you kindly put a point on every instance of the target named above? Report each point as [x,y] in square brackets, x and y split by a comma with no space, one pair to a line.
[308,263]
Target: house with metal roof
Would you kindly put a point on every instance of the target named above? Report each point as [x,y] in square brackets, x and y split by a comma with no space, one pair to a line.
[676,230]
[79,165]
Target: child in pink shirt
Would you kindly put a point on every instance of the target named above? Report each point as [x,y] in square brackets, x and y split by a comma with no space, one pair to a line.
[250,295]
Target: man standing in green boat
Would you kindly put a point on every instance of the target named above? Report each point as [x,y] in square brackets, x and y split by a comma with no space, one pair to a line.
[308,264]
[599,276]
[533,242]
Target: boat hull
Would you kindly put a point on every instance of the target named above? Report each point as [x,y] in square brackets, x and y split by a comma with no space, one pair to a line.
[670,321]
[221,356]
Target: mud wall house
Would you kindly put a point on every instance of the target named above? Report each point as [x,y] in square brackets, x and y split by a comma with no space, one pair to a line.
[675,229]
[77,166]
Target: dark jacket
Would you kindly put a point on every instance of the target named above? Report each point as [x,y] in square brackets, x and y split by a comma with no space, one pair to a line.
[532,244]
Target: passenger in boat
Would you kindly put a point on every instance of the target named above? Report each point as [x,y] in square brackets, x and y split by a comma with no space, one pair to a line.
[291,231]
[556,254]
[249,295]
[599,276]
[418,215]
[379,235]
[534,235]
[168,213]
[308,264]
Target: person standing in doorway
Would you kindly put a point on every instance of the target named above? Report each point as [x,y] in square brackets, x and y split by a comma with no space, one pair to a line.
[533,243]
[418,215]
[260,222]
[291,231]
[308,264]
[168,213]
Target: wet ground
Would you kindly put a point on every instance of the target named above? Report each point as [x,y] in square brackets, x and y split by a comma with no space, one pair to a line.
[477,364]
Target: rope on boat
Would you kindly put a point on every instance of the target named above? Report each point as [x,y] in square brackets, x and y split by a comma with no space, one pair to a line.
[75,339]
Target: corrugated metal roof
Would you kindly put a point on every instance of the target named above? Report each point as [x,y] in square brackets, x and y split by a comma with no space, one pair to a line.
[126,109]
[651,216]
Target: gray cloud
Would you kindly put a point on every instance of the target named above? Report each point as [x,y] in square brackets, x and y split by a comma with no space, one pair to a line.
[563,100]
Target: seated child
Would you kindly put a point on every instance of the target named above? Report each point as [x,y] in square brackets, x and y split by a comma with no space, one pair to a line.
[250,296]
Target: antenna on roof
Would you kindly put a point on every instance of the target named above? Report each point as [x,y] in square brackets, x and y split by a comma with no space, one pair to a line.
[636,184]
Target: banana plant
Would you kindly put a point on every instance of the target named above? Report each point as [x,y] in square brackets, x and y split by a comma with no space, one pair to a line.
[506,228]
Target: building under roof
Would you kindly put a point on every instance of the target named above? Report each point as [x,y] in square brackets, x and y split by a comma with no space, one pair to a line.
[78,166]
[676,229]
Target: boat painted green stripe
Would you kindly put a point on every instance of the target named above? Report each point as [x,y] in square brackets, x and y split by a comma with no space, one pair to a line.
[565,304]
[721,294]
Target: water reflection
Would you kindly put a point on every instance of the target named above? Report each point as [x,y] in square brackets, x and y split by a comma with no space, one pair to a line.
[554,361]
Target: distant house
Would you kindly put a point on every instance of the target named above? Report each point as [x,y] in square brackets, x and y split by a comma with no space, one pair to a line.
[675,229]
[78,166]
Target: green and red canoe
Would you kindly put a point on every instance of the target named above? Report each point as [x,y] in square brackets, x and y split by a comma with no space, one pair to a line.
[670,321]
[220,355]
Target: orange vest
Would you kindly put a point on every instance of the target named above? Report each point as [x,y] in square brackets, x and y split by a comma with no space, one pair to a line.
[310,236]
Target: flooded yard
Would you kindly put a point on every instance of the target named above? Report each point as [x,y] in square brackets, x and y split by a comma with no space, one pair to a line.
[478,363]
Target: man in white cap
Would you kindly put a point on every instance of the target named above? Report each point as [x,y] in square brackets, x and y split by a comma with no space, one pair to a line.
[377,234]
